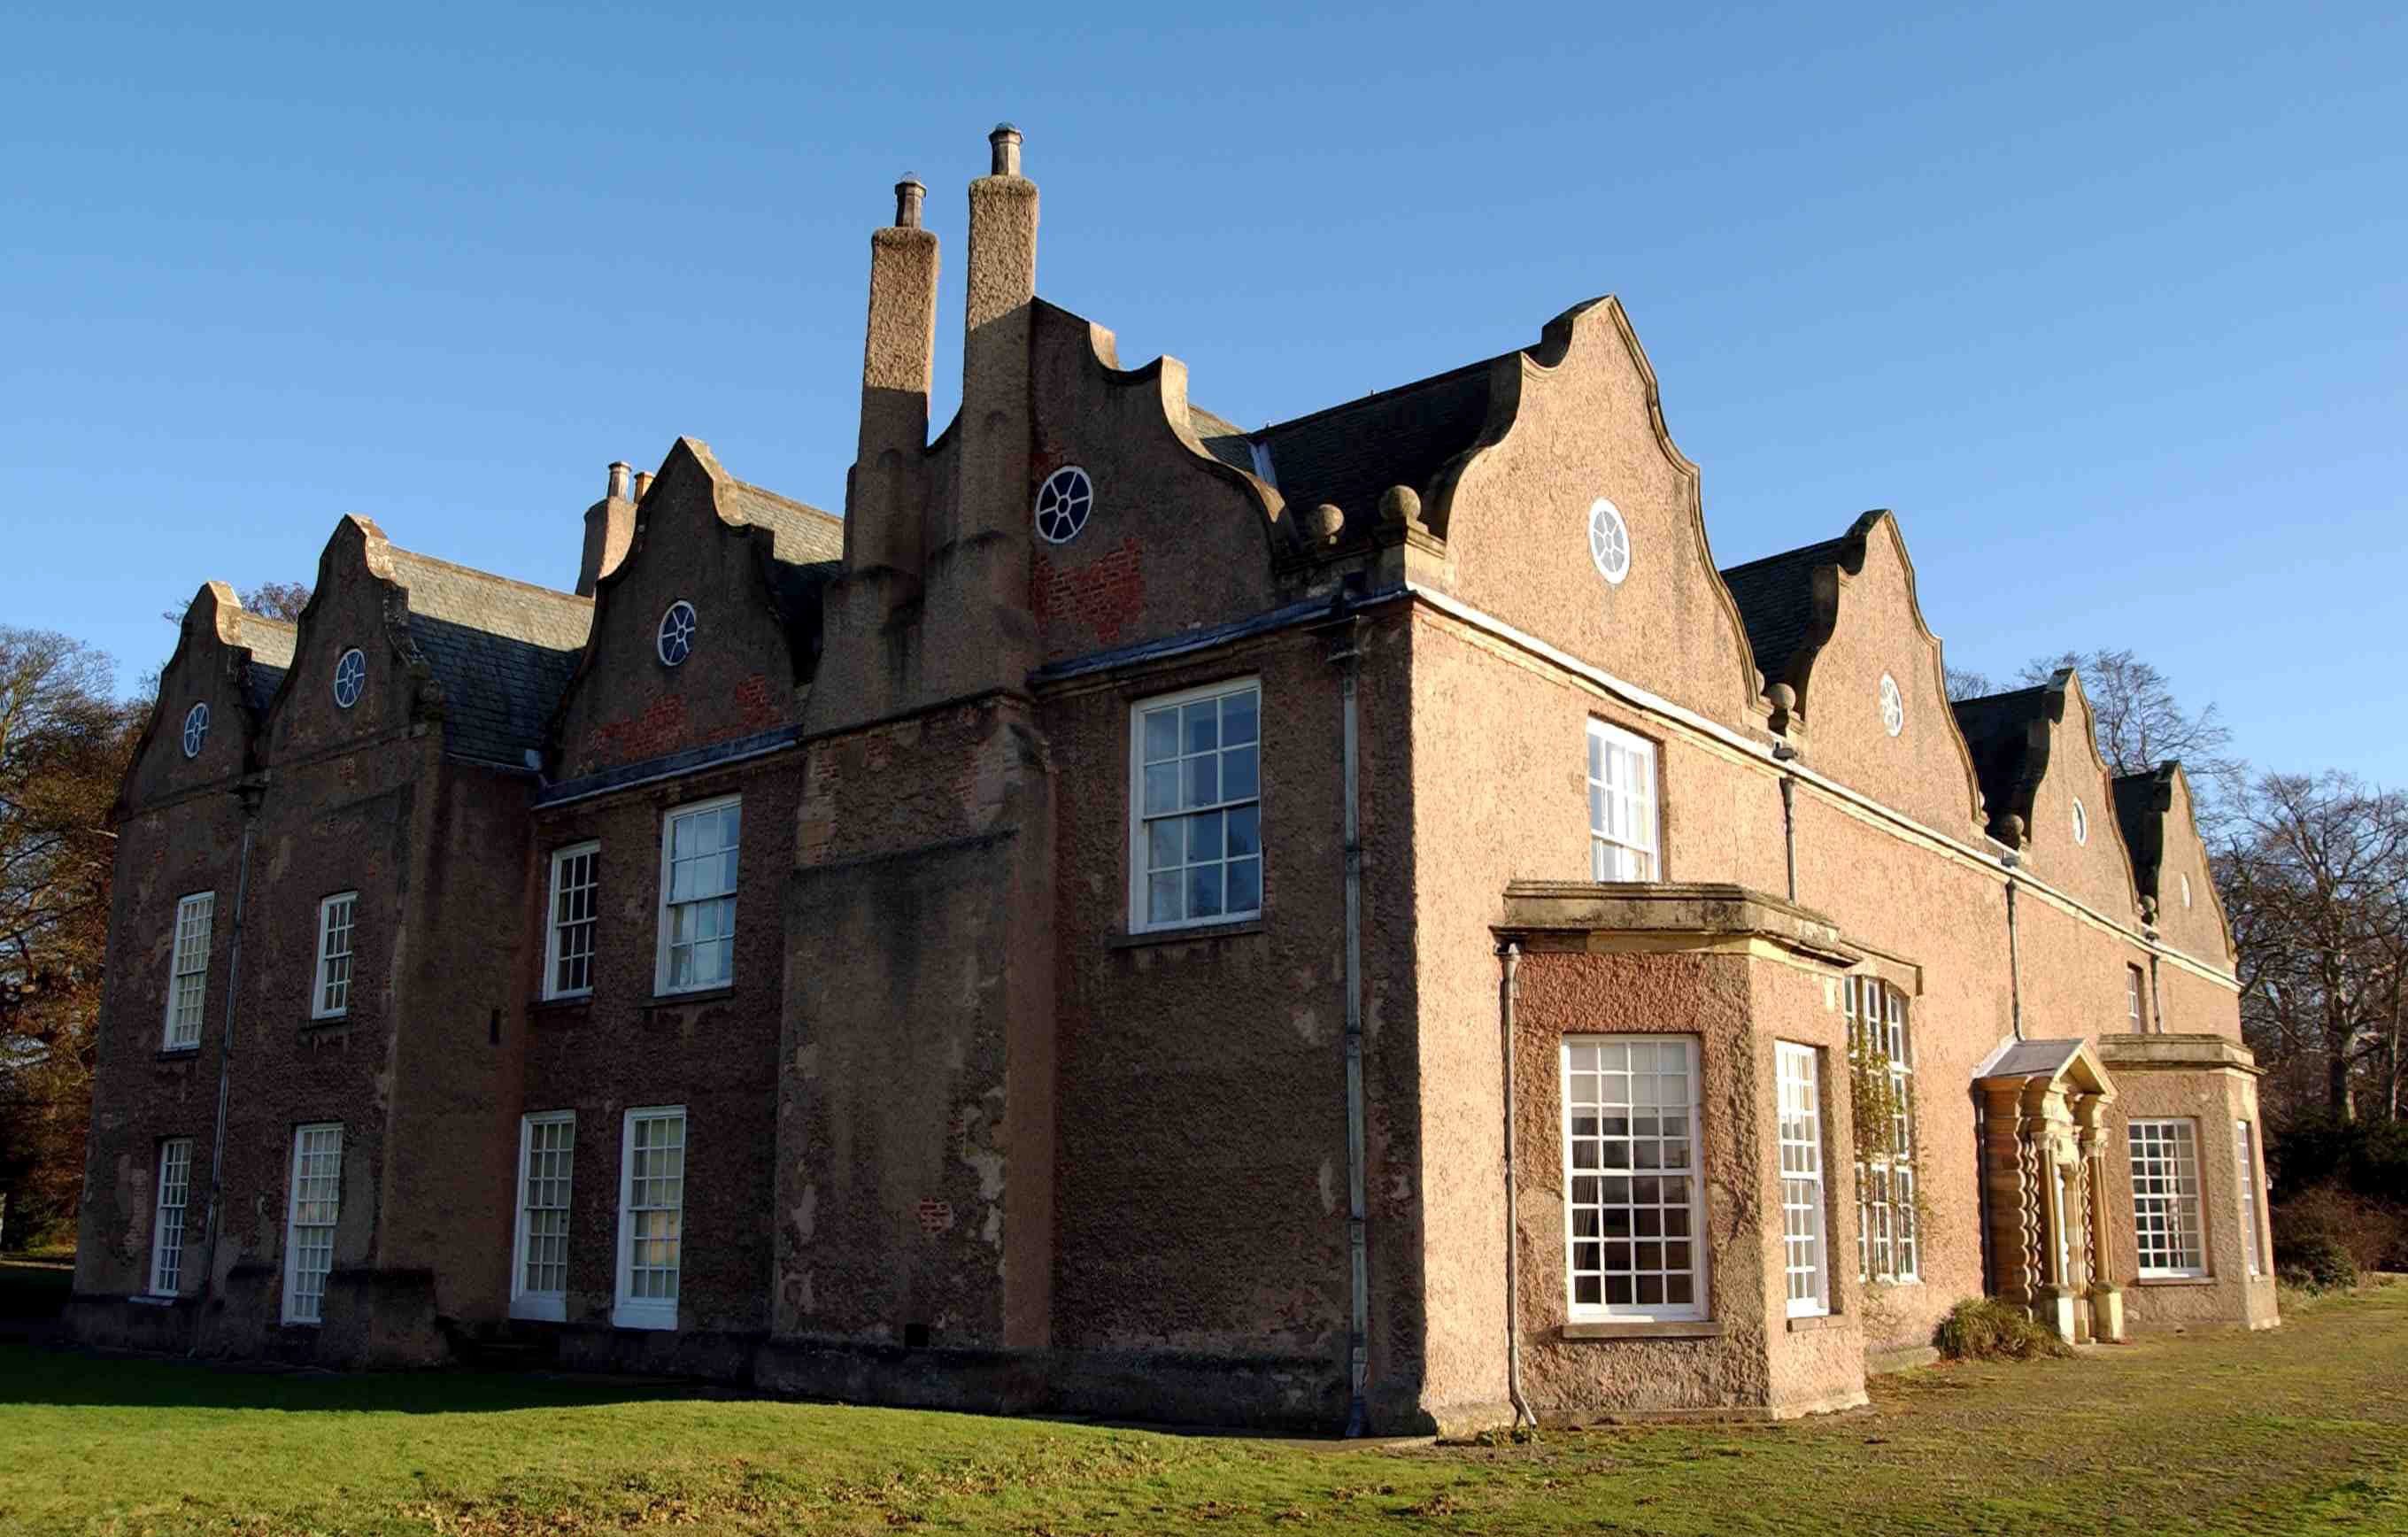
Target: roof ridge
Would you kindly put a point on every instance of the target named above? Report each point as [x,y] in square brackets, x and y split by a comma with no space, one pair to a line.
[1377,395]
[1791,553]
[572,599]
[794,502]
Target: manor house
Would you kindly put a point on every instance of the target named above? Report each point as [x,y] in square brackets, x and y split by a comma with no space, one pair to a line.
[1354,923]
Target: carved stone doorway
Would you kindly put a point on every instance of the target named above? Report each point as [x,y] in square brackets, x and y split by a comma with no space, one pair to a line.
[2043,1108]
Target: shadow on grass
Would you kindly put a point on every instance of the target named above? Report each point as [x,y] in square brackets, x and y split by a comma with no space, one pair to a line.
[30,1374]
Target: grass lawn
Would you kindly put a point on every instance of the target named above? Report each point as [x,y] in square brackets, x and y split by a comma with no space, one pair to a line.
[2305,1429]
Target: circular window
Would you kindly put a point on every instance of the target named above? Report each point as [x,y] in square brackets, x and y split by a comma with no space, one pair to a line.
[2081,824]
[1609,540]
[675,641]
[196,730]
[1893,705]
[2186,884]
[350,677]
[1063,503]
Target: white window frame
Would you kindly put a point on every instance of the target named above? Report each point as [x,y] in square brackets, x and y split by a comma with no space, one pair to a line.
[1140,822]
[1691,1212]
[555,927]
[188,972]
[2245,1150]
[629,1311]
[1624,806]
[1806,1248]
[527,1301]
[324,1001]
[665,917]
[2135,998]
[2165,1149]
[324,1184]
[1889,1242]
[167,1221]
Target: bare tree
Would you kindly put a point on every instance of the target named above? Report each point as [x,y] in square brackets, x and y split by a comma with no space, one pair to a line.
[1966,683]
[2315,879]
[275,599]
[2140,721]
[63,742]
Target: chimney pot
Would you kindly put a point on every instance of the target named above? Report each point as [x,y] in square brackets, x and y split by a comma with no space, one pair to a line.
[1005,141]
[619,473]
[909,195]
[643,482]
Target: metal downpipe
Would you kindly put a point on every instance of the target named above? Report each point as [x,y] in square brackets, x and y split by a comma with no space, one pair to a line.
[251,795]
[1348,659]
[1510,954]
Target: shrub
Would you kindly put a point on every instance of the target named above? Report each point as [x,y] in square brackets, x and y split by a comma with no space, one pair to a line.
[2316,1262]
[2314,1226]
[1984,1329]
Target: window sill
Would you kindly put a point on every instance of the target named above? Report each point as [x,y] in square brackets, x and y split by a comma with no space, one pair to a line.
[565,1000]
[698,995]
[1677,1329]
[1811,1322]
[1137,939]
[321,1022]
[623,1316]
[178,1053]
[2175,1281]
[154,1299]
[541,1310]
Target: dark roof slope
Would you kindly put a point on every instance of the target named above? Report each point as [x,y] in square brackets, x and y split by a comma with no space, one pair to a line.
[2009,756]
[504,651]
[270,642]
[1348,455]
[1776,601]
[803,533]
[1221,437]
[2142,802]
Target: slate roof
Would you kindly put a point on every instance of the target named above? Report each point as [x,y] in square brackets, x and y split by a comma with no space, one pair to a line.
[1998,731]
[2142,801]
[1350,454]
[1776,601]
[504,652]
[1226,441]
[2031,1060]
[804,534]
[270,642]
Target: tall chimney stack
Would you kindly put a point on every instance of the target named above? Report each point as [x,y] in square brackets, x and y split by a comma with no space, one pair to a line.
[994,348]
[609,528]
[884,502]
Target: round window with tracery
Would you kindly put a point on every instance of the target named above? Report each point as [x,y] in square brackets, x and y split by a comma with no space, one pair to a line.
[1892,706]
[1609,540]
[351,678]
[674,641]
[1063,503]
[196,730]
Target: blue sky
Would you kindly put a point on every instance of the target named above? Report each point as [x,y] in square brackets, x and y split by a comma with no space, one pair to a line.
[2108,302]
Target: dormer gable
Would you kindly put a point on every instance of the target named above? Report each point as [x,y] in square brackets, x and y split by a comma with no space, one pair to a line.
[2047,791]
[1838,624]
[2170,861]
[1571,515]
[213,693]
[707,628]
[392,639]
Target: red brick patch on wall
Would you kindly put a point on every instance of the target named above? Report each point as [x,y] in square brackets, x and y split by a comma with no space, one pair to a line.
[1105,595]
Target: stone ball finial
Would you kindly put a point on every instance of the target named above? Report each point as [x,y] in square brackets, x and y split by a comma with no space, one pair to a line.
[2148,910]
[2013,828]
[1400,504]
[1784,698]
[1325,522]
[911,195]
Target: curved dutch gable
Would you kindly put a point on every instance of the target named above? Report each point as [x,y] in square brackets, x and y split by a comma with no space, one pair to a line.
[227,661]
[1573,420]
[1832,621]
[750,565]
